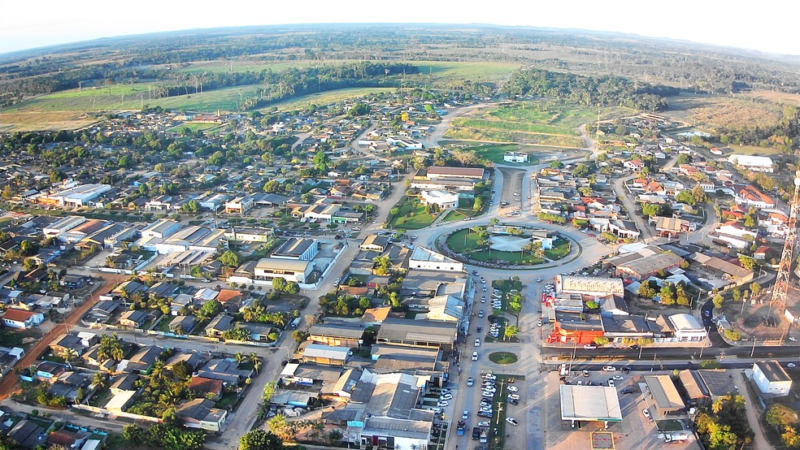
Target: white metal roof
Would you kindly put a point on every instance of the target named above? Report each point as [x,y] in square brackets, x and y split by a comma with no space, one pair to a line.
[590,403]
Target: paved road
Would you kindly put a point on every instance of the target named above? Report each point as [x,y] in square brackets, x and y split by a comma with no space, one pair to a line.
[66,415]
[759,441]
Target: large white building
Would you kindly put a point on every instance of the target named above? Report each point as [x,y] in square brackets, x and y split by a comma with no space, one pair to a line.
[597,286]
[771,379]
[290,270]
[687,328]
[75,197]
[442,199]
[162,228]
[751,162]
[426,259]
[517,157]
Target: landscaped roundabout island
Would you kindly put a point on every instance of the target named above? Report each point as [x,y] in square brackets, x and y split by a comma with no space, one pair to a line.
[507,245]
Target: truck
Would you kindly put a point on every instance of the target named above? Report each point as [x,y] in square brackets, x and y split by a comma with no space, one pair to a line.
[673,437]
[461,426]
[563,372]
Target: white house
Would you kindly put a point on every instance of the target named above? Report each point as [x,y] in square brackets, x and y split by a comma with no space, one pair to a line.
[290,270]
[771,379]
[516,157]
[425,259]
[442,199]
[21,319]
[687,328]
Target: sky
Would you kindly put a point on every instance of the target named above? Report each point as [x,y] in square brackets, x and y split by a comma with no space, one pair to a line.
[766,25]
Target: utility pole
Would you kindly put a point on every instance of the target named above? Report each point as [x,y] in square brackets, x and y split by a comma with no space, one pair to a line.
[753,350]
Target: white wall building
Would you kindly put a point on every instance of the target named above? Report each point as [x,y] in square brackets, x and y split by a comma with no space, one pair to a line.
[751,162]
[515,157]
[771,379]
[442,199]
[290,270]
[426,259]
[687,328]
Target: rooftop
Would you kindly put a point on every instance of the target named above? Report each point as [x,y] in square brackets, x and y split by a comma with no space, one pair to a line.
[590,403]
[773,371]
[664,393]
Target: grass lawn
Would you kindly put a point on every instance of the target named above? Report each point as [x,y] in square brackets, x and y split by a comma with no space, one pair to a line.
[507,285]
[412,215]
[754,150]
[227,400]
[327,97]
[501,322]
[164,325]
[503,357]
[454,215]
[101,398]
[506,257]
[496,152]
[463,241]
[194,126]
[560,249]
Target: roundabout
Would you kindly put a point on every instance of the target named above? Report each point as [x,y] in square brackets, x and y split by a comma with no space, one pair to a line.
[507,246]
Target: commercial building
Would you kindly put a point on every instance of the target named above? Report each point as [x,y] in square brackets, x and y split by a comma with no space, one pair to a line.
[325,355]
[297,249]
[751,196]
[737,275]
[161,229]
[590,404]
[595,286]
[374,243]
[240,205]
[337,335]
[62,226]
[439,172]
[663,398]
[752,162]
[75,197]
[644,263]
[771,379]
[687,328]
[290,270]
[417,333]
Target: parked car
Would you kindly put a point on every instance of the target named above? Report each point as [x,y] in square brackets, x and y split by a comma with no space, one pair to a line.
[513,389]
[513,397]
[589,347]
[442,404]
[609,369]
[646,413]
[586,373]
[512,421]
[610,383]
[617,377]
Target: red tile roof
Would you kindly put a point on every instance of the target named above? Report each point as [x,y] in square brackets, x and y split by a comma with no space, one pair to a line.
[201,384]
[17,315]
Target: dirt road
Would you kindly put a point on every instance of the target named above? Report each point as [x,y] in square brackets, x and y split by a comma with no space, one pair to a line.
[10,382]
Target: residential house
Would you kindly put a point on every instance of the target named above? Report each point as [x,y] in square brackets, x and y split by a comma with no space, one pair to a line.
[125,382]
[182,324]
[206,387]
[751,196]
[326,355]
[219,325]
[134,319]
[20,319]
[28,435]
[201,414]
[337,335]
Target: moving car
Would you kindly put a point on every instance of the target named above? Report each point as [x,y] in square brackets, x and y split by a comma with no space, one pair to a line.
[470,381]
[609,369]
[512,421]
[586,373]
[474,356]
[465,415]
[477,342]
[617,377]
[481,314]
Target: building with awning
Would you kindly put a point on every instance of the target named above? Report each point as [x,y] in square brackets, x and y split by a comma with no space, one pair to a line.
[590,404]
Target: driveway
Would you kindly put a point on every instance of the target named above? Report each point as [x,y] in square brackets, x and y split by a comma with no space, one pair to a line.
[759,441]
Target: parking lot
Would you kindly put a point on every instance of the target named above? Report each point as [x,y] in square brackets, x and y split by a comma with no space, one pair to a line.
[634,432]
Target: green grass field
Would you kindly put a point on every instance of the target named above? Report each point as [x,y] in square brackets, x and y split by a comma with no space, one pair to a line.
[503,357]
[560,249]
[495,153]
[412,215]
[466,243]
[194,126]
[221,66]
[324,98]
[513,126]
[754,150]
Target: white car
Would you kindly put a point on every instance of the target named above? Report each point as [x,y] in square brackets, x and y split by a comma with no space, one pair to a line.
[791,365]
[474,356]
[617,377]
[590,347]
[465,415]
[513,397]
[609,369]
[646,413]
[610,383]
[446,397]
[477,342]
[442,404]
[512,421]
[513,389]
[483,424]
[792,338]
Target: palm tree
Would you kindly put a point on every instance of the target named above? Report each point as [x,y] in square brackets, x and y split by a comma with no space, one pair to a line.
[99,380]
[256,364]
[239,357]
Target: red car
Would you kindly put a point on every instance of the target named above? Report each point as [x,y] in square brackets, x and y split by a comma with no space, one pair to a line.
[590,234]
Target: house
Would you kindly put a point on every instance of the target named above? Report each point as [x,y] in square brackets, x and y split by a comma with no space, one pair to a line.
[201,414]
[226,370]
[633,164]
[442,199]
[337,335]
[28,434]
[182,324]
[297,270]
[439,172]
[670,226]
[375,243]
[516,157]
[144,358]
[20,319]
[733,273]
[771,379]
[71,344]
[126,382]
[751,196]
[664,399]
[206,387]
[134,319]
[219,325]
[417,333]
[68,439]
[259,332]
[644,263]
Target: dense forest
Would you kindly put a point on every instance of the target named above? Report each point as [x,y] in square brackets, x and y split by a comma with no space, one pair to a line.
[589,91]
[160,57]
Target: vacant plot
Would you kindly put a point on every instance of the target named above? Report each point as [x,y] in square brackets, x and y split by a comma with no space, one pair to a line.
[437,71]
[495,152]
[41,120]
[754,150]
[220,66]
[327,97]
[495,135]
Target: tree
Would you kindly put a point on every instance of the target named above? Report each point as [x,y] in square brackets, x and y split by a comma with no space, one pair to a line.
[602,340]
[717,300]
[651,209]
[333,436]
[110,347]
[382,265]
[510,331]
[278,284]
[27,248]
[667,294]
[321,162]
[580,171]
[736,294]
[190,207]
[299,336]
[230,259]
[260,440]
[780,415]
[755,288]
[686,197]
[699,194]
[592,305]
[478,204]
[133,434]
[747,262]
[173,438]
[645,291]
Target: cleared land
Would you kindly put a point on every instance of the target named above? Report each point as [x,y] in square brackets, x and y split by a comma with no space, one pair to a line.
[324,98]
[541,122]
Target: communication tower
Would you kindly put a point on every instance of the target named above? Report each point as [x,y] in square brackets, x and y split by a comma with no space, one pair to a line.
[780,292]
